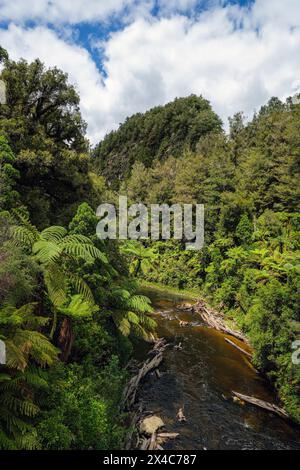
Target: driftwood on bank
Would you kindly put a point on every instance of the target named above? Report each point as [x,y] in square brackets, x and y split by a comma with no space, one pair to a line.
[216,320]
[238,348]
[129,396]
[156,440]
[136,439]
[132,428]
[262,404]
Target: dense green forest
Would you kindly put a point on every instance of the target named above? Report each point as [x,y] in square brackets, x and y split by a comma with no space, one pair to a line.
[249,183]
[69,304]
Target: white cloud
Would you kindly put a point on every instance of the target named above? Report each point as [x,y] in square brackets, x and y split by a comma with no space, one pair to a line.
[237,58]
[60,11]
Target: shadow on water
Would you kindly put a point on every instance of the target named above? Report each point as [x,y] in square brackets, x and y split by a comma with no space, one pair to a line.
[200,378]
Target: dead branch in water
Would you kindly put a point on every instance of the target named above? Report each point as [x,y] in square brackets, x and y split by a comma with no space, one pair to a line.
[262,404]
[130,391]
[216,320]
[238,348]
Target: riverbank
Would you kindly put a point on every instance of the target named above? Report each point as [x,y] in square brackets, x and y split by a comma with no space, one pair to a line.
[192,294]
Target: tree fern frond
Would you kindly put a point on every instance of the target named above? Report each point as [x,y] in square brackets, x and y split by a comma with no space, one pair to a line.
[85,251]
[140,332]
[78,308]
[55,281]
[46,252]
[28,441]
[24,219]
[22,236]
[140,303]
[15,358]
[77,238]
[81,287]
[37,346]
[18,406]
[53,234]
[133,318]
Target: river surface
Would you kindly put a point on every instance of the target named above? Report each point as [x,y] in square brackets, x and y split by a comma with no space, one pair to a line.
[200,378]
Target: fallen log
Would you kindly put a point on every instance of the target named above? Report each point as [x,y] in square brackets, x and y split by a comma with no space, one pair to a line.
[216,320]
[262,404]
[152,445]
[128,443]
[238,348]
[167,435]
[145,444]
[129,395]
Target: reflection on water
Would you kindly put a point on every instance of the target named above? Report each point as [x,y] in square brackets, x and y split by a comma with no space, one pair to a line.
[200,377]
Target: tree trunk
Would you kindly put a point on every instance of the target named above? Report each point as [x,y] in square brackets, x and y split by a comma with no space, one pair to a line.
[138,267]
[66,339]
[54,324]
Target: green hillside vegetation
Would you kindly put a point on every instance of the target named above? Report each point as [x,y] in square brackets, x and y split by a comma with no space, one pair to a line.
[250,265]
[155,135]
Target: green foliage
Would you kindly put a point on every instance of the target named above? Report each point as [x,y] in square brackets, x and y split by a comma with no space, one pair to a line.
[42,123]
[249,267]
[25,347]
[155,135]
[83,409]
[9,176]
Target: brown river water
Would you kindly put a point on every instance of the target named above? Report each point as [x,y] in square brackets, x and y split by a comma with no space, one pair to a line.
[200,378]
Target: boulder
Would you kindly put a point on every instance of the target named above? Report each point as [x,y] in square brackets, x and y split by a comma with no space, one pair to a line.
[151,424]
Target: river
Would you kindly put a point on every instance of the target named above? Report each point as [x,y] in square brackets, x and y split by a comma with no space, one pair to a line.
[200,378]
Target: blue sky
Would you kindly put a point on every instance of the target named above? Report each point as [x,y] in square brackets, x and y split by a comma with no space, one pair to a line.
[126,56]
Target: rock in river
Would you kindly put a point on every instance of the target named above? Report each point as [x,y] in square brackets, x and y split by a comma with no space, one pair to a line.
[151,424]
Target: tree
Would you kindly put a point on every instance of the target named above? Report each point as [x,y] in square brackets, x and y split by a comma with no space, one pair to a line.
[57,253]
[141,256]
[42,109]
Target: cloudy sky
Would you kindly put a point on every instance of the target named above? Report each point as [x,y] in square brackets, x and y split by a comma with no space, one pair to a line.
[126,56]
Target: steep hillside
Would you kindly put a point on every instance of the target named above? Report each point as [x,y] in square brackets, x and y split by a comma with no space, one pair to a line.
[155,135]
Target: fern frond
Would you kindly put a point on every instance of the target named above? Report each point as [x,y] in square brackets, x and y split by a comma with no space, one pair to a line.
[77,238]
[78,308]
[24,219]
[85,251]
[55,281]
[81,287]
[15,359]
[22,236]
[46,252]
[18,406]
[122,323]
[53,234]
[28,441]
[133,318]
[37,346]
[140,303]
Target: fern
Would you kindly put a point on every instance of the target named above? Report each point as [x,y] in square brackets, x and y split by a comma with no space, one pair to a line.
[53,234]
[81,287]
[78,308]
